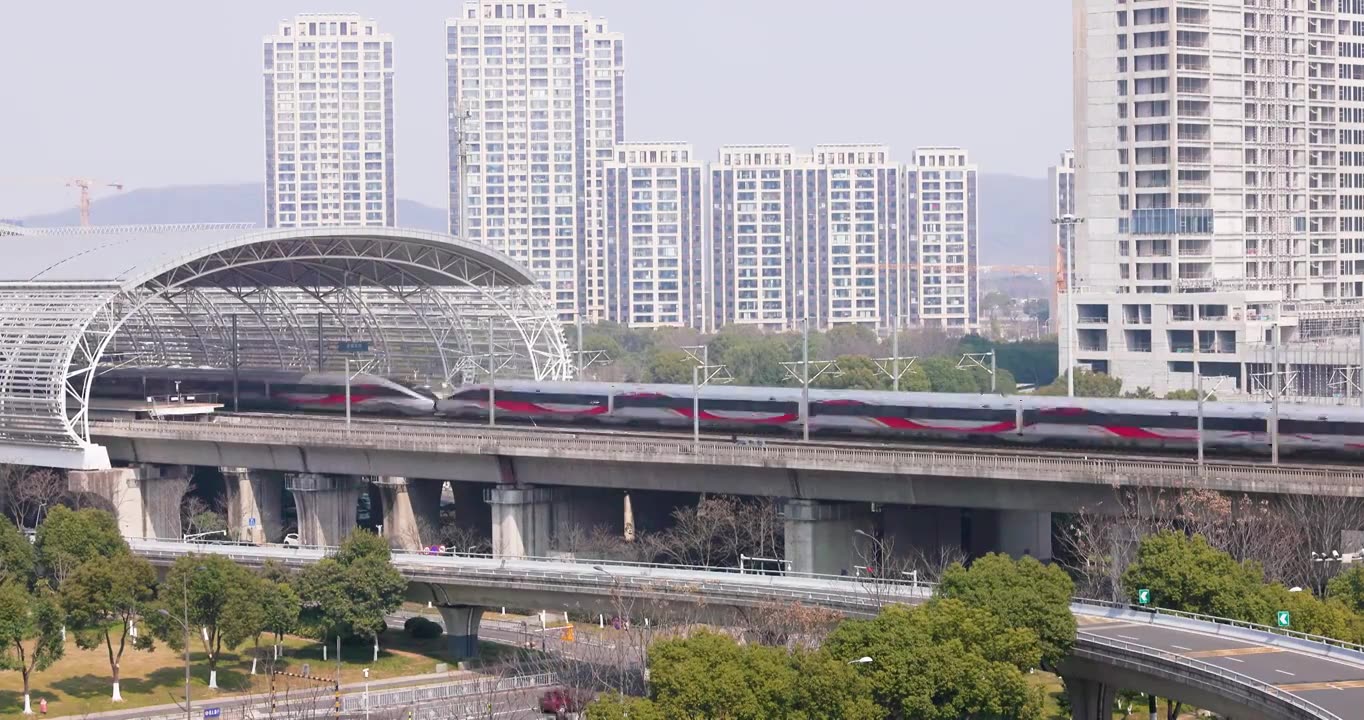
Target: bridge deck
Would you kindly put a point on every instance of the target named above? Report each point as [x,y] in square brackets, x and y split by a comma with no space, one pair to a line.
[1323,677]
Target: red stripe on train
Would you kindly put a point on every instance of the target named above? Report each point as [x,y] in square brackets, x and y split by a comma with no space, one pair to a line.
[904,424]
[774,420]
[529,408]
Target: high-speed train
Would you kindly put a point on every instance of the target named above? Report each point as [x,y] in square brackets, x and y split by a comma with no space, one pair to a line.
[273,390]
[954,417]
[1057,421]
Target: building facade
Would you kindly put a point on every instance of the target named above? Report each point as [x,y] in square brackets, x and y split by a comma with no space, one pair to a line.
[655,250]
[806,235]
[1061,204]
[1221,150]
[329,123]
[942,191]
[536,106]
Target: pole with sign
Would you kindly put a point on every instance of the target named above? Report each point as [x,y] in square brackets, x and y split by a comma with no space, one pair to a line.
[1283,618]
[1143,597]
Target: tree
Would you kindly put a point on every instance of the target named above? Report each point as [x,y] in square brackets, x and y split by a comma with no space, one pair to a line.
[1087,384]
[67,538]
[352,592]
[614,706]
[215,595]
[279,606]
[852,339]
[1186,573]
[942,661]
[30,632]
[1142,393]
[28,492]
[944,376]
[711,676]
[858,372]
[17,561]
[103,599]
[1023,593]
[1328,618]
[669,366]
[1191,395]
[1348,587]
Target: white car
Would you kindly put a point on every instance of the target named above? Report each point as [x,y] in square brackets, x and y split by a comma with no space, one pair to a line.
[291,540]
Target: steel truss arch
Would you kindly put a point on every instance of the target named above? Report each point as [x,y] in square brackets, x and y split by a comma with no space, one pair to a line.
[77,301]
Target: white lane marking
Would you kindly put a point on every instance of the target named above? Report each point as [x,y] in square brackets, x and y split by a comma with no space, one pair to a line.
[1181,647]
[1129,637]
[1289,674]
[1234,659]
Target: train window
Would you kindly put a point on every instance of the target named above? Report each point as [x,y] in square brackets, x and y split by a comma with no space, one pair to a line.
[909,411]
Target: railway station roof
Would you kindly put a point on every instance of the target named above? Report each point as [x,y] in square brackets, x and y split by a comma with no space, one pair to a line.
[399,302]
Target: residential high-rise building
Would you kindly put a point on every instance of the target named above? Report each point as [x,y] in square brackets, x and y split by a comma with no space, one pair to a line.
[1061,184]
[943,225]
[1212,140]
[536,104]
[797,236]
[329,123]
[654,236]
[1220,150]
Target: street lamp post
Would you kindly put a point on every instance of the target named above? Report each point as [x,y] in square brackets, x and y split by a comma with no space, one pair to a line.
[184,624]
[1067,224]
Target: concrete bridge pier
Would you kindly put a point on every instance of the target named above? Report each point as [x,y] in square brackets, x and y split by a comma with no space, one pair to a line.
[326,506]
[255,504]
[522,520]
[144,497]
[472,512]
[461,629]
[821,537]
[1090,699]
[411,510]
[913,530]
[1025,532]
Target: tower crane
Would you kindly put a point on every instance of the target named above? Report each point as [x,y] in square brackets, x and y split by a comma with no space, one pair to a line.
[84,184]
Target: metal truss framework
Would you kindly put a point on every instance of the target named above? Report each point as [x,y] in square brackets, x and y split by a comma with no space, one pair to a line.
[425,303]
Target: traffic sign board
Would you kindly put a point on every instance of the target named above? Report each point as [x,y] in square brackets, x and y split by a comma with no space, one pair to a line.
[251,522]
[213,712]
[1144,596]
[352,346]
[1283,618]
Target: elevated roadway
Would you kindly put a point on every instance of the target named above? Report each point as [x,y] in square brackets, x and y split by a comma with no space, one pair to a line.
[1235,669]
[941,476]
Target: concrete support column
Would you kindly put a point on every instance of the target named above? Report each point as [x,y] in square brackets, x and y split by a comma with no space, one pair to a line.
[255,504]
[461,629]
[1025,532]
[820,536]
[326,506]
[1090,699]
[145,498]
[577,512]
[471,509]
[521,520]
[911,531]
[411,511]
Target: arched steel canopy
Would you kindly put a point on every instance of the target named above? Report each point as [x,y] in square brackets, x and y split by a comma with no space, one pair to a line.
[430,306]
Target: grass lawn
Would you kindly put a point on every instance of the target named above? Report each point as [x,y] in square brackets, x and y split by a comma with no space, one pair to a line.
[80,682]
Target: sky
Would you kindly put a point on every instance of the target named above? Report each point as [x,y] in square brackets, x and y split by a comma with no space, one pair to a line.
[153,93]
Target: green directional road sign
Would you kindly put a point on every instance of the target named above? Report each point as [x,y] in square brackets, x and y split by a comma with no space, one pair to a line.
[1283,618]
[1144,596]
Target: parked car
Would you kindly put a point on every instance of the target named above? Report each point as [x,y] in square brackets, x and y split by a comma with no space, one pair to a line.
[562,701]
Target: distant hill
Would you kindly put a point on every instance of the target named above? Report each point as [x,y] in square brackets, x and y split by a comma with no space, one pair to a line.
[1013,213]
[1014,220]
[206,203]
